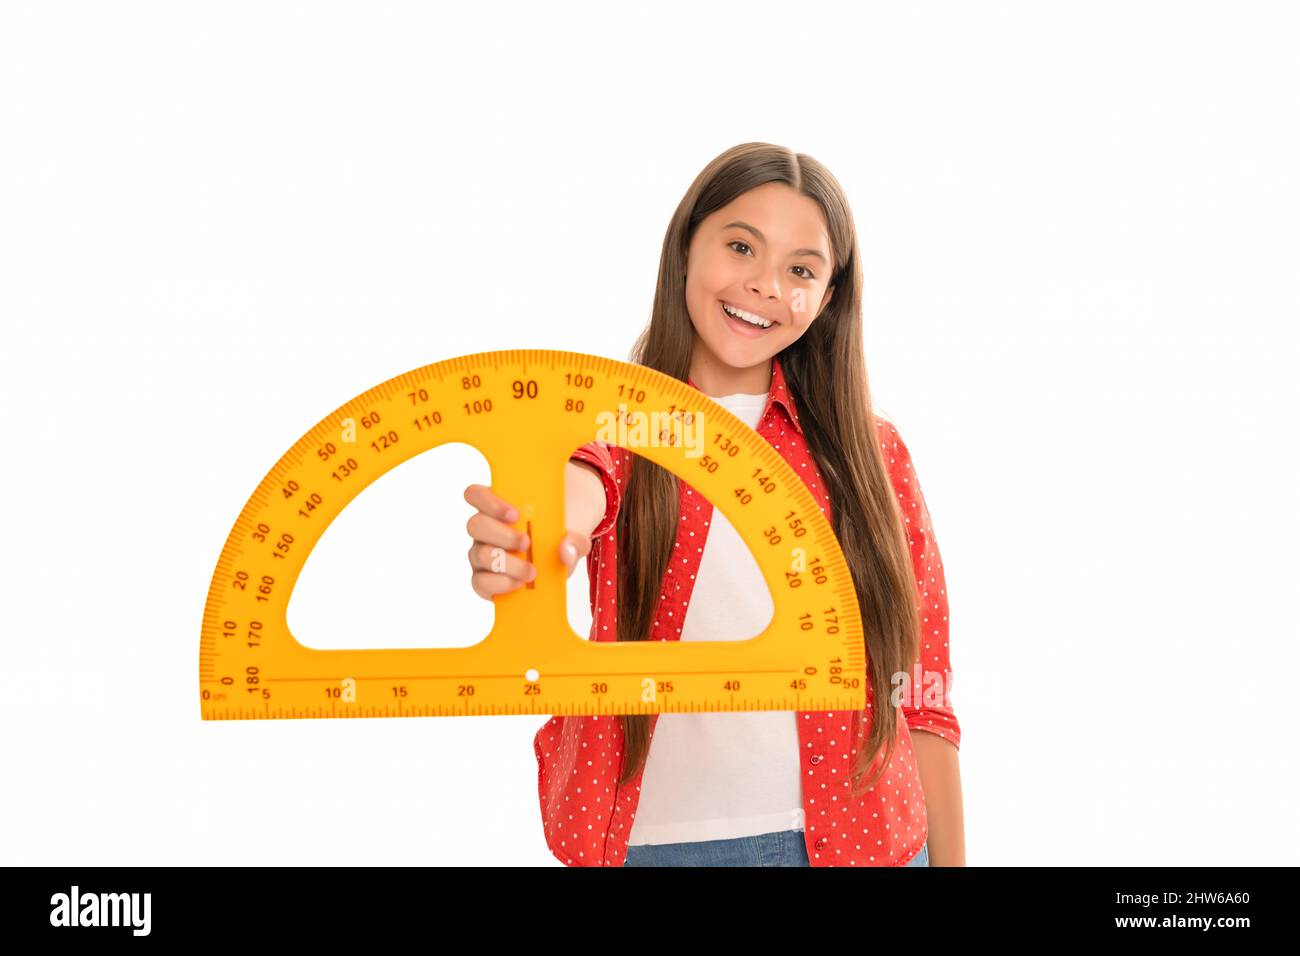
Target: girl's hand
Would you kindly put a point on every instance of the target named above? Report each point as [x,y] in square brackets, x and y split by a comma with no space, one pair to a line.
[494,570]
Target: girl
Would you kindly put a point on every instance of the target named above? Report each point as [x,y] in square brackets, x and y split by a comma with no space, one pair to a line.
[758,305]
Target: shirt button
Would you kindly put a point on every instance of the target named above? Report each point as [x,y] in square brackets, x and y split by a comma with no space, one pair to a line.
[815,758]
[821,842]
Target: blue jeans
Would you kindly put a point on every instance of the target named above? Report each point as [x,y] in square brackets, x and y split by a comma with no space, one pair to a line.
[782,848]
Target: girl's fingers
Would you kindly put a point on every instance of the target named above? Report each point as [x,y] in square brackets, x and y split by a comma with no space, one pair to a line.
[487,584]
[488,557]
[494,569]
[486,500]
[485,529]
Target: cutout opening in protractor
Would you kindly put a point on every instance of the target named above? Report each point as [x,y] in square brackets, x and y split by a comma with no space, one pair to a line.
[392,568]
[728,599]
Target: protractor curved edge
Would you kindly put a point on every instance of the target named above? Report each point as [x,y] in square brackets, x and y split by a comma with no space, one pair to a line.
[249,663]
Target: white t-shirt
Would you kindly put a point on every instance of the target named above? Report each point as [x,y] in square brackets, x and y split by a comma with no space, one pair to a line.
[722,775]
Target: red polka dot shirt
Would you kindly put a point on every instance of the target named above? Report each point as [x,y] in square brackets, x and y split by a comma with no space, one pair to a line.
[587,817]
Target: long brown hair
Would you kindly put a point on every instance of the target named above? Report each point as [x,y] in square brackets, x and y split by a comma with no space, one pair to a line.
[826,371]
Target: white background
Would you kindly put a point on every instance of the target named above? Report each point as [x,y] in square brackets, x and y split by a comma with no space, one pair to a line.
[219,222]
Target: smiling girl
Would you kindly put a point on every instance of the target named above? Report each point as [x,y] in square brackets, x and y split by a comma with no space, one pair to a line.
[758,305]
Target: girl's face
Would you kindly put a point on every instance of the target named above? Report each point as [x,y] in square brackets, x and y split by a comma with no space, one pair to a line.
[767,254]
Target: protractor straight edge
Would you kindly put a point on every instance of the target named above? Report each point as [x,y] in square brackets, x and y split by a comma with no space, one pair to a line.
[527,411]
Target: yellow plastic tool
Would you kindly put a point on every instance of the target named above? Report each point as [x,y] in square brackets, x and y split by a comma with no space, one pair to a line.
[527,411]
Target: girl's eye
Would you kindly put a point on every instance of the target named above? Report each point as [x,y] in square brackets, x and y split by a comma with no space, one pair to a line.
[739,242]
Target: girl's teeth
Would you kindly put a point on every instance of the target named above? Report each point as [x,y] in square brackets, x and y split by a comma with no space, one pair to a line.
[758,325]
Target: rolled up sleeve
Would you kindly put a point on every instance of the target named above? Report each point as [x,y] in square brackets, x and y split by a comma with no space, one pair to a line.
[599,455]
[929,706]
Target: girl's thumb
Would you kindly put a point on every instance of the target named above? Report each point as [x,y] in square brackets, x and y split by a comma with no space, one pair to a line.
[574,545]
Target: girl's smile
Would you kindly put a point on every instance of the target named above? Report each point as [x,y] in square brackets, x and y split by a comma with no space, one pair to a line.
[741,327]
